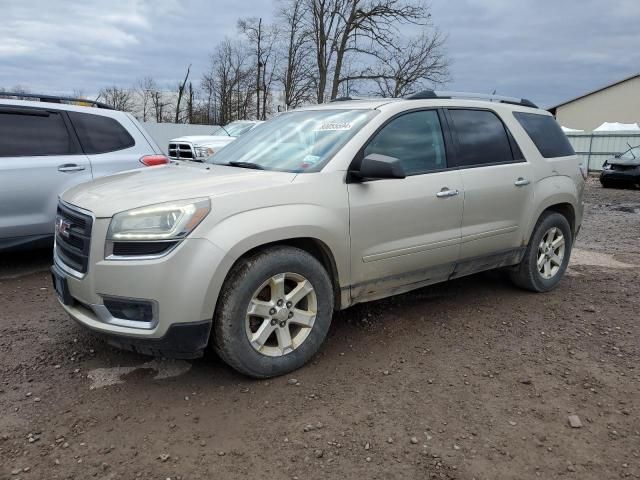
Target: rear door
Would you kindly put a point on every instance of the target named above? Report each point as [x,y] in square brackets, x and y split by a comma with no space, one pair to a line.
[39,158]
[109,145]
[497,181]
[406,232]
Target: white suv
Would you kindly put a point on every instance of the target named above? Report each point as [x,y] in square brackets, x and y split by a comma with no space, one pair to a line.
[48,146]
[316,210]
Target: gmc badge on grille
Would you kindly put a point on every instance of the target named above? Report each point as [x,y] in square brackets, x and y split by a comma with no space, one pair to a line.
[62,227]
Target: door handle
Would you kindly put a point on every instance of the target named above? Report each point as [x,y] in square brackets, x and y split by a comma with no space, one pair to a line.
[521,182]
[70,167]
[445,192]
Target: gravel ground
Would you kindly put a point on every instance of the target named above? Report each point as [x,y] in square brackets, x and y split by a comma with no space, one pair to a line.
[472,379]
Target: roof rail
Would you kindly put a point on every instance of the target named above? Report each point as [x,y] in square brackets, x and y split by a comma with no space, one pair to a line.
[426,94]
[54,99]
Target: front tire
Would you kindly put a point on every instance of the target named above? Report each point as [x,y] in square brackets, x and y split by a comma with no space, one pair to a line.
[546,258]
[274,312]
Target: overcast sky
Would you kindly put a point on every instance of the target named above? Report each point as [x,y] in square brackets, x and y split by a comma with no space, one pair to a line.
[545,50]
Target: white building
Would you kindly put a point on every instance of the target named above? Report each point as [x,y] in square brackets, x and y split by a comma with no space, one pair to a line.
[617,102]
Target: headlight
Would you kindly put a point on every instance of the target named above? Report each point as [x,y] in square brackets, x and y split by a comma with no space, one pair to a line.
[204,152]
[166,221]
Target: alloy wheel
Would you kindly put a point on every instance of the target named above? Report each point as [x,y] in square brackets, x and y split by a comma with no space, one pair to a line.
[281,314]
[551,253]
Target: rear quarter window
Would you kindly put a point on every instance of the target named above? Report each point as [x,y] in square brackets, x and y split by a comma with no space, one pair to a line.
[100,134]
[546,134]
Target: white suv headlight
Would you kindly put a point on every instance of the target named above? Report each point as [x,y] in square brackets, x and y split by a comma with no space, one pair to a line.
[165,221]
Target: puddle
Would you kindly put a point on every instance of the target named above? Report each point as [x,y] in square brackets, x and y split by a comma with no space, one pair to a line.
[104,377]
[596,259]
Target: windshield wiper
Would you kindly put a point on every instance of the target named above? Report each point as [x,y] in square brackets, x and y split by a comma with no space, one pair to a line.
[255,166]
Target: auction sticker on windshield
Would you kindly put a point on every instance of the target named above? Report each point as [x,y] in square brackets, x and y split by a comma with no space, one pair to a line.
[332,126]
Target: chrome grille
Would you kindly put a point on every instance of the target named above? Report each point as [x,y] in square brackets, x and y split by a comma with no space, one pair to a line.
[181,151]
[73,237]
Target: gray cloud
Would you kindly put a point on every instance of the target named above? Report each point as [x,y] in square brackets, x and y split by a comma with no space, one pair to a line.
[85,45]
[546,50]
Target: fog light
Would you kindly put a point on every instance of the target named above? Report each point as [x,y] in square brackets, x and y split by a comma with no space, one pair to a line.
[129,309]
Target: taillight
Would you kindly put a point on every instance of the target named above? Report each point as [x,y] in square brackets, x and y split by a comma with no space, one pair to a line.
[153,160]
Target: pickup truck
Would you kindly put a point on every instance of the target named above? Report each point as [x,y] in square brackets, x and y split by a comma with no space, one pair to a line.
[200,147]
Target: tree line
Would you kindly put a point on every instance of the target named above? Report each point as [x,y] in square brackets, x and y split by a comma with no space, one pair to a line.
[313,52]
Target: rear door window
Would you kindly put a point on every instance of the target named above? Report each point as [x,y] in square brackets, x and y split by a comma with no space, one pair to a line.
[546,134]
[482,139]
[415,139]
[25,134]
[100,134]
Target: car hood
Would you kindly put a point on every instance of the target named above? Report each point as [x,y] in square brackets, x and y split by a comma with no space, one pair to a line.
[107,196]
[205,140]
[634,162]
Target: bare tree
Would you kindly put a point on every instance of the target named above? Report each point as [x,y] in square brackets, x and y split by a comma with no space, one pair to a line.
[209,88]
[229,80]
[325,24]
[118,98]
[252,28]
[159,105]
[297,75]
[340,27]
[144,89]
[316,50]
[409,65]
[262,42]
[190,104]
[181,88]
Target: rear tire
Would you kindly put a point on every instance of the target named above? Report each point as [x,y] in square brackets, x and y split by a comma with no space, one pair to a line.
[274,312]
[547,255]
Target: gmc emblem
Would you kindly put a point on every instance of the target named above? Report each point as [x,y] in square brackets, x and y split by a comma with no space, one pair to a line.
[62,227]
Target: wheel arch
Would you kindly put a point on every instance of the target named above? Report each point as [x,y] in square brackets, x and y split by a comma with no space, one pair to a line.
[566,210]
[314,247]
[558,194]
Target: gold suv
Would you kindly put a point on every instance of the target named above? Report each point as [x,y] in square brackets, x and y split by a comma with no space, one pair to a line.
[251,251]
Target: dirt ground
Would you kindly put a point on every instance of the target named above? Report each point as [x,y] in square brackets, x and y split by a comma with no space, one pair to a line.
[473,379]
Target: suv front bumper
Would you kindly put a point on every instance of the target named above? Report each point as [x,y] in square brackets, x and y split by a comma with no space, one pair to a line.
[181,287]
[182,340]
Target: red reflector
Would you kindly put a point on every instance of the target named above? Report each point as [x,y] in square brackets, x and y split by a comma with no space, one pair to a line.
[153,160]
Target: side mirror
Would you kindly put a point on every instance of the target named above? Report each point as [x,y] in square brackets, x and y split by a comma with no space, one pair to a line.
[376,166]
[617,155]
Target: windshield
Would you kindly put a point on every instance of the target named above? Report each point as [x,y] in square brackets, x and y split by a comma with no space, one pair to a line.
[299,141]
[234,129]
[632,153]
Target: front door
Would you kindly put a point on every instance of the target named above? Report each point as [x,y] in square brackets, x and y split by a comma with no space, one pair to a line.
[39,159]
[405,233]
